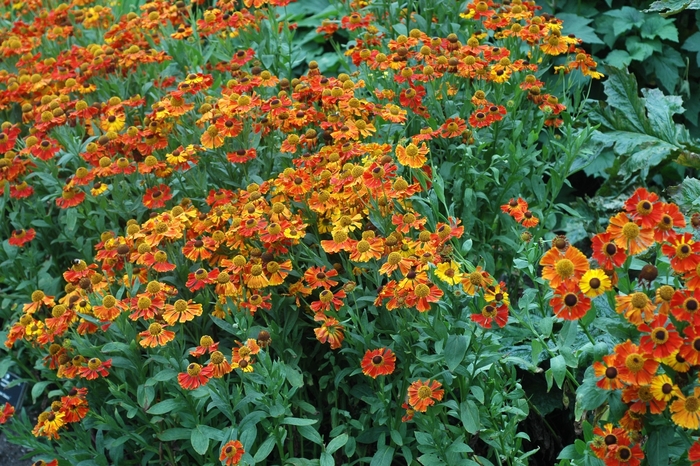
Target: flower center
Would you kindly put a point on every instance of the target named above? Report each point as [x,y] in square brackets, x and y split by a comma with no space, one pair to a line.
[644,207]
[422,290]
[424,392]
[639,300]
[155,329]
[692,404]
[634,362]
[610,249]
[630,231]
[611,373]
[691,305]
[377,360]
[194,369]
[570,300]
[594,283]
[565,268]
[666,292]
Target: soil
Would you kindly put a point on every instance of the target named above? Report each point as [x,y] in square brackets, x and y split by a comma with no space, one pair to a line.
[11,454]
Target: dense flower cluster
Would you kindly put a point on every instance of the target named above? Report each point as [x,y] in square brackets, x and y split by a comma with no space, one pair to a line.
[251,190]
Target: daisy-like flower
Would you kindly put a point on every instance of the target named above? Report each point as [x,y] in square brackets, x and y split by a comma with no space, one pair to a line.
[21,237]
[663,388]
[608,372]
[181,311]
[606,252]
[155,335]
[559,268]
[633,365]
[490,314]
[683,252]
[637,307]
[425,294]
[628,235]
[690,350]
[231,453]
[475,281]
[95,368]
[412,155]
[195,376]
[220,364]
[660,338]
[664,295]
[624,455]
[330,331]
[686,410]
[607,437]
[156,197]
[206,345]
[594,283]
[6,413]
[568,302]
[671,218]
[644,208]
[381,361]
[422,394]
[685,306]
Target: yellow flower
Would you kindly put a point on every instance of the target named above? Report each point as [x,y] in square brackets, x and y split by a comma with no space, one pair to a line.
[449,272]
[594,283]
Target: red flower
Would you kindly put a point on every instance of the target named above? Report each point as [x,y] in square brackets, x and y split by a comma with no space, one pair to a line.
[195,377]
[156,197]
[6,413]
[608,254]
[381,361]
[644,208]
[660,338]
[490,314]
[569,303]
[21,237]
[95,368]
[682,251]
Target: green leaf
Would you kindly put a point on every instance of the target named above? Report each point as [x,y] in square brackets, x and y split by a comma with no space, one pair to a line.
[200,440]
[671,7]
[337,443]
[657,26]
[558,366]
[383,457]
[687,194]
[310,433]
[641,50]
[666,68]
[294,377]
[692,44]
[326,459]
[656,448]
[625,19]
[176,433]
[455,350]
[579,26]
[38,389]
[264,450]
[469,415]
[297,421]
[165,407]
[589,396]
[621,90]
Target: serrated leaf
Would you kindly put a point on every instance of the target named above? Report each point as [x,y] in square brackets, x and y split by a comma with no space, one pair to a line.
[579,26]
[692,44]
[671,7]
[666,68]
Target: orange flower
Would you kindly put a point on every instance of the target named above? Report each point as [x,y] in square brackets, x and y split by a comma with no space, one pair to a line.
[685,305]
[381,361]
[331,331]
[490,314]
[686,410]
[567,267]
[156,335]
[633,365]
[608,254]
[182,311]
[206,345]
[195,377]
[637,307]
[608,372]
[412,155]
[628,235]
[220,365]
[423,394]
[231,453]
